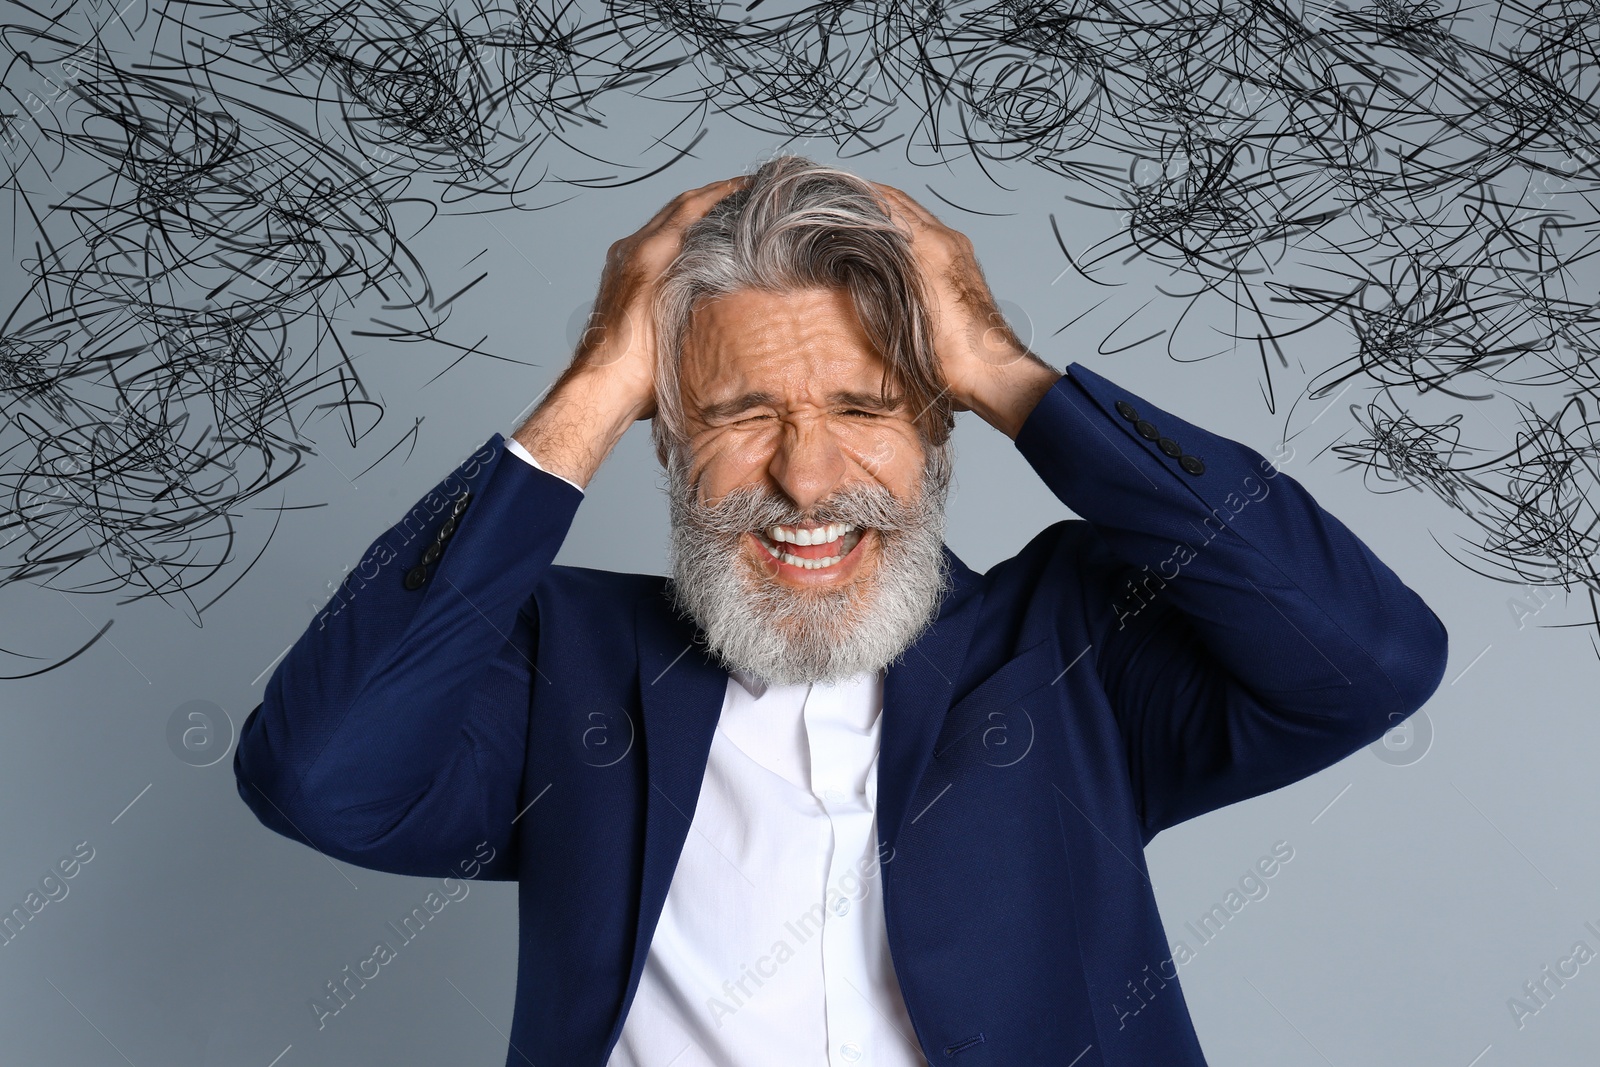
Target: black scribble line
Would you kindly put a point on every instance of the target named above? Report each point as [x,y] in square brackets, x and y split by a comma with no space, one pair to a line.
[184,322]
[216,207]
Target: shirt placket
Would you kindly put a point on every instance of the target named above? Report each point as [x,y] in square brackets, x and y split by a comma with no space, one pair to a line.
[841,750]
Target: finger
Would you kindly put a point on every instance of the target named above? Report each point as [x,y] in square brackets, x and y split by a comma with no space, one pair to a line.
[724,184]
[692,204]
[697,202]
[904,213]
[904,201]
[689,198]
[710,192]
[892,196]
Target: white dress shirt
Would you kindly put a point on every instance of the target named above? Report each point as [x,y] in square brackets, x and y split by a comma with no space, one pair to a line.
[771,948]
[515,447]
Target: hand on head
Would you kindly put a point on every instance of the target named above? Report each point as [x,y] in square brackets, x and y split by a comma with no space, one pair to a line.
[620,340]
[986,368]
[610,383]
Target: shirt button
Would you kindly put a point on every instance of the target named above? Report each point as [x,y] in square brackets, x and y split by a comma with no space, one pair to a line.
[850,1051]
[833,796]
[841,907]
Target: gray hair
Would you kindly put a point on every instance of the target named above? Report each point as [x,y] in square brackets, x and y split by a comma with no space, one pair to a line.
[802,225]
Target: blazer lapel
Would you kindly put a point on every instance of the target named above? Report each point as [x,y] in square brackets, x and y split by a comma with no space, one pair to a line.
[681,689]
[918,690]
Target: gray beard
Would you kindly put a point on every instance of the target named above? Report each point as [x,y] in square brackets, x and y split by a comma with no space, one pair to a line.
[786,636]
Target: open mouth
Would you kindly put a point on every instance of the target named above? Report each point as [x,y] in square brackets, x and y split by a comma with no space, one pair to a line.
[810,548]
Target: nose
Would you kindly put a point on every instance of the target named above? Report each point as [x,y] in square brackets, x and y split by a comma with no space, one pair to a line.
[807,463]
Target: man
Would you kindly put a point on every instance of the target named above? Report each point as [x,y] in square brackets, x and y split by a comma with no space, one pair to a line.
[827,796]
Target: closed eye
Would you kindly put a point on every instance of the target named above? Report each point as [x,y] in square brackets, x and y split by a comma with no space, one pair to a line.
[864,414]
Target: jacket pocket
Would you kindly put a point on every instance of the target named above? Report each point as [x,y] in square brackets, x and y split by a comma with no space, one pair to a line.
[1031,670]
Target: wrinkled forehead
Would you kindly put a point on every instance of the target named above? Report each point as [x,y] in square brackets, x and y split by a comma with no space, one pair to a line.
[799,348]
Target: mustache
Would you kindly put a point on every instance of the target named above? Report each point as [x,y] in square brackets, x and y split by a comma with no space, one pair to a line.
[786,635]
[756,507]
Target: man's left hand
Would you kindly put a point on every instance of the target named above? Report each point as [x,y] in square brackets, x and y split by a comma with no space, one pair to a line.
[986,368]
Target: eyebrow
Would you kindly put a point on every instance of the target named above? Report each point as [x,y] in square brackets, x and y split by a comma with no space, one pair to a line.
[724,409]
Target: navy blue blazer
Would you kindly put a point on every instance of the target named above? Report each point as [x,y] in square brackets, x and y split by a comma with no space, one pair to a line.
[1203,634]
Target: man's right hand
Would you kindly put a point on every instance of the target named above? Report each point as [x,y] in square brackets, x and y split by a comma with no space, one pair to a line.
[610,382]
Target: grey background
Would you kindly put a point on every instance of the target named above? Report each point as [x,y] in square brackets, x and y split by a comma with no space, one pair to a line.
[1420,897]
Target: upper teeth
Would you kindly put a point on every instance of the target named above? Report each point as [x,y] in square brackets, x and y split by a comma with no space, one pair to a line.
[802,535]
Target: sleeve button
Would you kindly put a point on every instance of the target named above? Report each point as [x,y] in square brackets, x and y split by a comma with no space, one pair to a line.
[1169,446]
[1192,464]
[460,504]
[1127,410]
[432,553]
[416,576]
[1147,429]
[447,529]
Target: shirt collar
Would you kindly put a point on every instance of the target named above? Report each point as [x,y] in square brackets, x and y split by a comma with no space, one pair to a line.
[756,687]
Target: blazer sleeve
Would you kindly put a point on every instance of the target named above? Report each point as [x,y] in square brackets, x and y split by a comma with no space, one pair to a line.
[393,732]
[1244,636]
